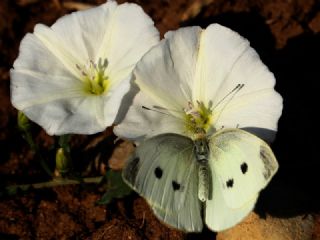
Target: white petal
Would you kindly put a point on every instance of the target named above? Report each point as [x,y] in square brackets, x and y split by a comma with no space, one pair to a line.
[84,114]
[141,123]
[120,33]
[258,112]
[219,50]
[58,117]
[35,56]
[131,36]
[29,88]
[56,46]
[84,31]
[226,60]
[113,100]
[58,106]
[166,72]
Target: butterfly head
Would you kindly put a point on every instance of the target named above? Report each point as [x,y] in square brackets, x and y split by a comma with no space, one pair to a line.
[201,150]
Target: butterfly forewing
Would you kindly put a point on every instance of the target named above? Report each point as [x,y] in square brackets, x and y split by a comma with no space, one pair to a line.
[164,171]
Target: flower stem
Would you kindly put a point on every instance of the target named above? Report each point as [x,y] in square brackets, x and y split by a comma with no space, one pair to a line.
[25,126]
[11,190]
[35,148]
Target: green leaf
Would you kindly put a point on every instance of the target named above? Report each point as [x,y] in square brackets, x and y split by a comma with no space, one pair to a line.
[116,187]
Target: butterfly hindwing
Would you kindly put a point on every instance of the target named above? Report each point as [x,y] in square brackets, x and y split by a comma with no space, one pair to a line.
[218,215]
[242,165]
[163,170]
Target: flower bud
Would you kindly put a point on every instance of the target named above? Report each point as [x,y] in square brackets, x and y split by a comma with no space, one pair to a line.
[63,162]
[23,122]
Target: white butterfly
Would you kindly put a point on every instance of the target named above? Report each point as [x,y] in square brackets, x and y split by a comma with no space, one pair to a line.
[215,180]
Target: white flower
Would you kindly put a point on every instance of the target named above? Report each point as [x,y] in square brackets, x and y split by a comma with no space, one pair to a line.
[202,79]
[71,77]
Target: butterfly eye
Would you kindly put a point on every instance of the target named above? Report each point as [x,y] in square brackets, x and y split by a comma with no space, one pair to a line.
[244,167]
[158,172]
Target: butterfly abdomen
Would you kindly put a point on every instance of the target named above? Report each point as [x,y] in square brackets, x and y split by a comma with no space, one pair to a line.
[202,154]
[203,176]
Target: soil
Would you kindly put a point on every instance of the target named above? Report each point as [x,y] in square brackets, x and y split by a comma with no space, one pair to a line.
[285,33]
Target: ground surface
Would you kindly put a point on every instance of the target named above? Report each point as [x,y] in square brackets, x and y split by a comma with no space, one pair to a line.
[286,34]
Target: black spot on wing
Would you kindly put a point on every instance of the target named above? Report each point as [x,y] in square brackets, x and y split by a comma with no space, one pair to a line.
[267,160]
[131,170]
[244,167]
[158,172]
[230,183]
[176,186]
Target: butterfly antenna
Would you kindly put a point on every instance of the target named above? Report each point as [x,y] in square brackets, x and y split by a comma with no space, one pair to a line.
[159,109]
[162,110]
[233,91]
[166,109]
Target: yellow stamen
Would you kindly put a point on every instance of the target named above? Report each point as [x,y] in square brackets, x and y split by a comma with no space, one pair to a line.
[96,82]
[198,119]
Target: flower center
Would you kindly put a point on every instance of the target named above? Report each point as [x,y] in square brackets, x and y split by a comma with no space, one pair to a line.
[198,118]
[95,79]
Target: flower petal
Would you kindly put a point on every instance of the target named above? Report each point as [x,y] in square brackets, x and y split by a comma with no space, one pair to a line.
[126,40]
[35,56]
[59,111]
[113,100]
[58,117]
[56,46]
[119,33]
[250,71]
[226,60]
[166,72]
[141,122]
[219,49]
[55,103]
[257,104]
[29,88]
[255,111]
[84,31]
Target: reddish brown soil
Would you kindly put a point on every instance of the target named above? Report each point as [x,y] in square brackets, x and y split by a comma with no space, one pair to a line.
[286,35]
